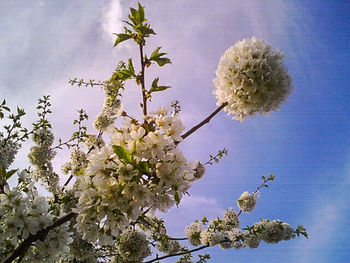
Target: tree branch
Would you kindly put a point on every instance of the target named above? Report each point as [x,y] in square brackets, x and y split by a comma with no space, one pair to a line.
[206,120]
[22,248]
[144,97]
[176,254]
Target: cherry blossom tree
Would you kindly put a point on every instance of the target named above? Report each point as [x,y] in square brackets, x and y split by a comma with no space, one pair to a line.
[126,172]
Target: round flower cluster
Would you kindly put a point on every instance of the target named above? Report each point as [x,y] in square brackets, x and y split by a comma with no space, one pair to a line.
[140,168]
[193,233]
[211,238]
[246,202]
[78,161]
[275,231]
[8,150]
[251,78]
[112,109]
[92,140]
[169,246]
[216,233]
[40,157]
[132,246]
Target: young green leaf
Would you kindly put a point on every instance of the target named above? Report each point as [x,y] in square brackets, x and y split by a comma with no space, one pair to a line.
[121,37]
[122,153]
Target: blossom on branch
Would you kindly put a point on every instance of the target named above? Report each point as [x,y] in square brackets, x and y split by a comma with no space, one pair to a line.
[251,78]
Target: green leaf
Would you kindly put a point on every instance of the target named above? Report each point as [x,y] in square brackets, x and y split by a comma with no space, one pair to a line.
[131,66]
[121,37]
[157,57]
[141,12]
[143,167]
[177,197]
[122,153]
[10,173]
[162,61]
[155,86]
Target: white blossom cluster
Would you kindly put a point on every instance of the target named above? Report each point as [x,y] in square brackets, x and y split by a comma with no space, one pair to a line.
[273,231]
[246,202]
[25,214]
[169,246]
[92,140]
[217,231]
[52,248]
[78,161]
[251,78]
[8,150]
[226,233]
[112,109]
[140,168]
[133,246]
[40,157]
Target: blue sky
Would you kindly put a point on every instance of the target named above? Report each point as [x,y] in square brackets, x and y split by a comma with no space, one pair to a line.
[306,144]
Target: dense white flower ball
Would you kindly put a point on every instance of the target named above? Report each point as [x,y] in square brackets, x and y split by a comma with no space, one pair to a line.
[8,150]
[246,202]
[169,246]
[251,77]
[212,238]
[193,233]
[230,220]
[133,246]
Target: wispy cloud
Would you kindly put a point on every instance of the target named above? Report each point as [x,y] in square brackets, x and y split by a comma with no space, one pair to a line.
[111,21]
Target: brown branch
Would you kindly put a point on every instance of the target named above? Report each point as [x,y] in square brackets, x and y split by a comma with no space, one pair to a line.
[22,248]
[177,254]
[144,97]
[206,120]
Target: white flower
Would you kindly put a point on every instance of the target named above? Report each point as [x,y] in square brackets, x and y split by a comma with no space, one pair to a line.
[246,202]
[212,238]
[132,246]
[230,220]
[193,233]
[251,78]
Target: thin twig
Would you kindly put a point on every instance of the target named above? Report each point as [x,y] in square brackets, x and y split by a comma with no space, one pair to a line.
[206,120]
[144,97]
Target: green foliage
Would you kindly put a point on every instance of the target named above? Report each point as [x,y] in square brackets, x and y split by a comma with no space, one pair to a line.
[301,231]
[158,58]
[138,31]
[176,107]
[215,159]
[156,88]
[122,153]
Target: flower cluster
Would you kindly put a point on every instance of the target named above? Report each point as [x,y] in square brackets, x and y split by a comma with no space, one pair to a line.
[246,202]
[251,78]
[112,107]
[53,247]
[169,246]
[133,246]
[140,168]
[25,214]
[226,233]
[8,150]
[40,157]
[78,161]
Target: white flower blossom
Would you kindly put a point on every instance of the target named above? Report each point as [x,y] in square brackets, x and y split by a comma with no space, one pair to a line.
[193,233]
[246,202]
[132,245]
[251,78]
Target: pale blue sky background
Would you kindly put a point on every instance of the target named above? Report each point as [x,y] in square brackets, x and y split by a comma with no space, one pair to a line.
[306,144]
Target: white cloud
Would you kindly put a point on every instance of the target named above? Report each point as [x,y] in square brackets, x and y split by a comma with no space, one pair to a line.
[111,21]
